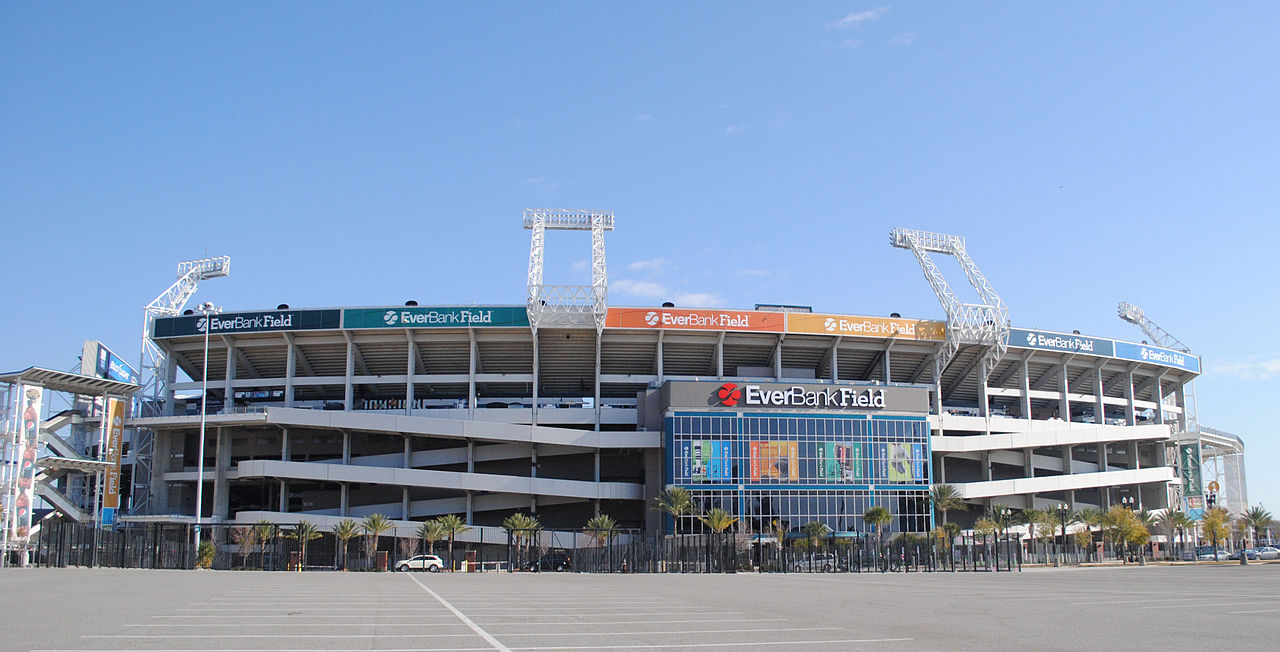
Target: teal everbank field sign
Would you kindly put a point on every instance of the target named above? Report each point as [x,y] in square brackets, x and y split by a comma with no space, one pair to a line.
[436,317]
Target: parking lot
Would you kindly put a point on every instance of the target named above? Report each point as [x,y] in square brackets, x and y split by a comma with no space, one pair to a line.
[1192,607]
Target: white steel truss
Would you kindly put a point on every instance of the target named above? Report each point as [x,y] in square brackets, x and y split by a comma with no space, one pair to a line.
[567,306]
[154,365]
[968,324]
[1160,337]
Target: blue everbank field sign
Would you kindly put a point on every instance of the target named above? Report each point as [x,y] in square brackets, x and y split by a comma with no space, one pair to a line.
[1157,355]
[436,317]
[1064,342]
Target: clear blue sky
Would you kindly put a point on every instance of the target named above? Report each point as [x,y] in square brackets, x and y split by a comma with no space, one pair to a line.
[353,154]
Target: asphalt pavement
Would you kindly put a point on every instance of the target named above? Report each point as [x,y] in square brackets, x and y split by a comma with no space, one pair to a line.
[1205,607]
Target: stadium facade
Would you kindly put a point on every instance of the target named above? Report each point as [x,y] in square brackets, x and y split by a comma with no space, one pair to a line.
[567,407]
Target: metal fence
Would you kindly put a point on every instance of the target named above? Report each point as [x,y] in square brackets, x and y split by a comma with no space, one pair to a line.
[276,547]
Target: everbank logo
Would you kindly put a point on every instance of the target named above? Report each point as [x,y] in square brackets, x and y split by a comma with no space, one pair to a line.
[729,394]
[651,318]
[391,318]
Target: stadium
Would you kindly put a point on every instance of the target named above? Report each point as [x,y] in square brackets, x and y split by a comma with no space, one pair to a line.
[567,407]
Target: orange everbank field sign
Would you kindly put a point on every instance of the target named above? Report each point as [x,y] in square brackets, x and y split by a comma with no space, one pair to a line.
[854,326]
[703,320]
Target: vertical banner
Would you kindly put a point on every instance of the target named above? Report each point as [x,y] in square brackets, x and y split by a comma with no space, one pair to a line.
[855,463]
[755,461]
[30,397]
[776,460]
[882,462]
[1189,464]
[685,456]
[114,437]
[900,463]
[917,461]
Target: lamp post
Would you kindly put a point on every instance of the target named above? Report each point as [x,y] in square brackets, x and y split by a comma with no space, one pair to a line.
[1128,502]
[1063,511]
[208,310]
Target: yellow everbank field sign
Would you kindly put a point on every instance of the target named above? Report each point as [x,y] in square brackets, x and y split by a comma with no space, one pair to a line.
[878,327]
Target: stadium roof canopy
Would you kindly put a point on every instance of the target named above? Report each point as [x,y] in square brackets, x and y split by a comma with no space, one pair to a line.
[65,381]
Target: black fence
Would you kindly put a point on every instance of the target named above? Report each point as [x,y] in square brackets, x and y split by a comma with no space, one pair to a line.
[276,547]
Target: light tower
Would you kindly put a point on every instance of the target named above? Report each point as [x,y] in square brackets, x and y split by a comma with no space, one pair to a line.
[567,305]
[983,324]
[154,365]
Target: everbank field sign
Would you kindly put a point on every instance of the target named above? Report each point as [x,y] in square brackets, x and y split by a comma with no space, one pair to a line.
[710,320]
[851,325]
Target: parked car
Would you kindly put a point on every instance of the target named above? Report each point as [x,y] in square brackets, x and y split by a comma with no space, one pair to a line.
[1187,555]
[823,562]
[429,563]
[1206,553]
[1268,552]
[552,561]
[1247,552]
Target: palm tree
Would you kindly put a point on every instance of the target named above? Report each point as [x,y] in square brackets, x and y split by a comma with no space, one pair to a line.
[1032,518]
[1257,518]
[1092,519]
[263,532]
[520,527]
[945,498]
[304,532]
[374,525]
[675,501]
[600,527]
[431,532]
[986,528]
[453,525]
[344,531]
[877,517]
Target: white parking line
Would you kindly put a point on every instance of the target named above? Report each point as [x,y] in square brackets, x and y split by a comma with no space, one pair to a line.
[751,644]
[245,616]
[639,622]
[1256,611]
[1208,603]
[326,623]
[461,616]
[153,636]
[673,632]
[611,615]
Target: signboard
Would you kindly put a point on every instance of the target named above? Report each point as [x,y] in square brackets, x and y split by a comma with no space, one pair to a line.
[29,400]
[1064,342]
[249,322]
[1157,355]
[840,461]
[706,320]
[113,435]
[775,460]
[879,327]
[705,460]
[99,361]
[1189,466]
[796,396]
[436,317]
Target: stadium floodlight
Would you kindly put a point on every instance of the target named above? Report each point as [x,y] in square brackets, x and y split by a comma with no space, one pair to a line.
[154,362]
[567,305]
[968,324]
[1162,338]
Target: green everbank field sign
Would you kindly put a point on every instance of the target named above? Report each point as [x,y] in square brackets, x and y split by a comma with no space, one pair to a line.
[436,317]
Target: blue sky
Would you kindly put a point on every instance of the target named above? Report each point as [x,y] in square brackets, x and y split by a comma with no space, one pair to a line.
[347,154]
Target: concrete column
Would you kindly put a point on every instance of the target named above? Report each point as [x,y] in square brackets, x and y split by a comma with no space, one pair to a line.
[284,496]
[470,510]
[659,370]
[942,469]
[1100,408]
[1182,403]
[161,458]
[171,376]
[1064,403]
[533,473]
[1135,462]
[404,503]
[412,367]
[221,486]
[835,359]
[290,369]
[720,357]
[1067,460]
[888,376]
[937,392]
[344,500]
[471,457]
[1028,462]
[777,358]
[986,466]
[471,374]
[1026,390]
[595,403]
[597,476]
[348,390]
[1130,412]
[1102,456]
[284,444]
[408,452]
[1158,394]
[228,392]
[346,447]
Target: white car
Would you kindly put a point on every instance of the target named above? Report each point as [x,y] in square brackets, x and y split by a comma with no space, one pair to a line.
[429,563]
[1268,552]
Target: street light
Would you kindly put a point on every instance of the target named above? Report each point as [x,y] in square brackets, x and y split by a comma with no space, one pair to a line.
[1064,510]
[208,310]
